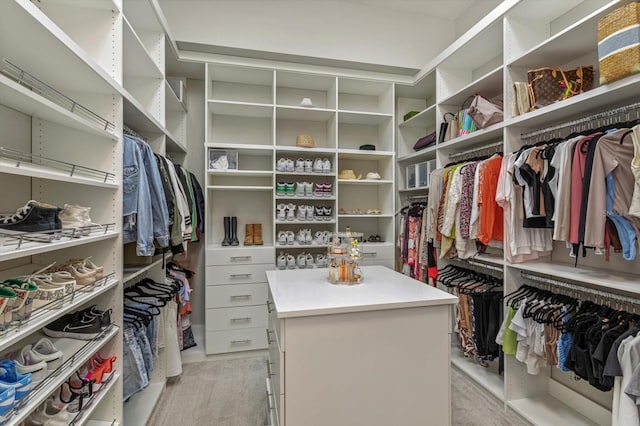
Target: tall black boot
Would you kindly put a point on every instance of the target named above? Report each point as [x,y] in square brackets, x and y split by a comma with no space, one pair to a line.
[227,231]
[234,231]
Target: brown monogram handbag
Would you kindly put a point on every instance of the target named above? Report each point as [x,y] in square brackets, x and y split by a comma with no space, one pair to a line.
[550,85]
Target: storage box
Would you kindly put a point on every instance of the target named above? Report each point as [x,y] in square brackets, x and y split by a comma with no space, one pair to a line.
[222,159]
[424,170]
[619,43]
[411,176]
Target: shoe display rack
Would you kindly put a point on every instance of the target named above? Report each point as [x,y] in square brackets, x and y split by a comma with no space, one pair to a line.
[515,37]
[79,74]
[255,116]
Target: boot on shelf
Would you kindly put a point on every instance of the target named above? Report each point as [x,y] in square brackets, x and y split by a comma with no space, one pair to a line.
[249,234]
[257,234]
[227,231]
[234,232]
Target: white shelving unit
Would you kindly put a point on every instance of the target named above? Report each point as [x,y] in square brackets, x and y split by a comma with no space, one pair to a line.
[526,34]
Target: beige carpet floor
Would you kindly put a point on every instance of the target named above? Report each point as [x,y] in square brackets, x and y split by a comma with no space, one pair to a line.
[232,393]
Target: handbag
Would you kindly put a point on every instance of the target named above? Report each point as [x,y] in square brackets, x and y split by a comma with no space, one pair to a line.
[467,125]
[484,112]
[425,141]
[522,101]
[444,127]
[550,85]
[453,128]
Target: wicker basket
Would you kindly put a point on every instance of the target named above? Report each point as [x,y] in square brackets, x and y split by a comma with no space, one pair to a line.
[619,43]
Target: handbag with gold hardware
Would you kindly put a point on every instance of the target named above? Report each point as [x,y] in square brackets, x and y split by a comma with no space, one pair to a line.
[550,85]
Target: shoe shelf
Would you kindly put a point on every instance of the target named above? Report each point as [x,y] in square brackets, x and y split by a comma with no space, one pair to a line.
[303,222]
[18,245]
[138,410]
[82,418]
[547,410]
[77,353]
[25,164]
[239,188]
[54,310]
[297,245]
[248,173]
[22,99]
[312,198]
[321,174]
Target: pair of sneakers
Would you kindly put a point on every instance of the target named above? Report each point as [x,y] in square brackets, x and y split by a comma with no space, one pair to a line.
[304,236]
[323,213]
[13,387]
[286,212]
[322,189]
[83,325]
[304,189]
[322,237]
[286,238]
[285,165]
[322,165]
[306,213]
[285,189]
[286,261]
[305,261]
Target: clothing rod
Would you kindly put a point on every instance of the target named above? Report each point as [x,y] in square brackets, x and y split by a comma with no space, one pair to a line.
[475,150]
[580,289]
[588,119]
[479,263]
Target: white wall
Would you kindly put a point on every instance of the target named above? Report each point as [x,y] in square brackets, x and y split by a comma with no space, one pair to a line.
[326,29]
[478,10]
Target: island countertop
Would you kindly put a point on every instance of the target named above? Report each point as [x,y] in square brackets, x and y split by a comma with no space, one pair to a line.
[307,292]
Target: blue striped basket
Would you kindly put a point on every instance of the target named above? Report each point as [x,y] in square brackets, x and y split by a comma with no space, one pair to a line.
[619,43]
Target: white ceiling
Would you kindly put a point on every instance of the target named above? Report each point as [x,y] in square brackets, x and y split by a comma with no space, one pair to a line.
[447,9]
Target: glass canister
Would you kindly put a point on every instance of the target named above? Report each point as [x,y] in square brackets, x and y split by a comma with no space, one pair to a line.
[343,258]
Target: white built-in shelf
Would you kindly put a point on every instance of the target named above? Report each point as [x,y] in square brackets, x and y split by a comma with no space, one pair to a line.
[488,258]
[244,173]
[311,198]
[363,154]
[9,251]
[424,119]
[45,172]
[239,188]
[240,109]
[602,279]
[87,410]
[411,190]
[329,174]
[79,351]
[575,41]
[137,60]
[40,318]
[28,102]
[249,149]
[171,100]
[138,410]
[612,94]
[366,118]
[305,114]
[365,181]
[303,222]
[477,138]
[546,410]
[364,215]
[488,86]
[483,46]
[297,245]
[174,144]
[304,151]
[213,246]
[133,272]
[426,154]
[142,16]
[485,378]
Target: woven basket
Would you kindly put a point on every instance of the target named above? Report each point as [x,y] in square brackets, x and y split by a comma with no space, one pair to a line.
[619,43]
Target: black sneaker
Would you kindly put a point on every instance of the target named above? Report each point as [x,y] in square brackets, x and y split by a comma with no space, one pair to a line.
[32,217]
[74,326]
[104,317]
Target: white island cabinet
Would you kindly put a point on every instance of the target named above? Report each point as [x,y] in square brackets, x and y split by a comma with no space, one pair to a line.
[374,354]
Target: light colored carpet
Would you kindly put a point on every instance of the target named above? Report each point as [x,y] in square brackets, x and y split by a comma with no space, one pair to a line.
[232,393]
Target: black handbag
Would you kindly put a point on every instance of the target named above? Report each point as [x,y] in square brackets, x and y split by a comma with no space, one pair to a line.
[444,126]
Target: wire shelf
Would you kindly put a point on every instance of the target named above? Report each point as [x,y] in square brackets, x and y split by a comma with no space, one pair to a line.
[19,237]
[32,83]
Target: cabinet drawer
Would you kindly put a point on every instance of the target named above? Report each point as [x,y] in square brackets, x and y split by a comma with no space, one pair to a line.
[275,368]
[388,262]
[241,339]
[236,274]
[240,256]
[233,318]
[377,251]
[226,296]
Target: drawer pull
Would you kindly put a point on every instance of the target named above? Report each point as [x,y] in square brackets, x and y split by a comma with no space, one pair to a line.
[237,258]
[369,254]
[269,373]
[244,319]
[240,296]
[237,342]
[269,341]
[269,303]
[240,275]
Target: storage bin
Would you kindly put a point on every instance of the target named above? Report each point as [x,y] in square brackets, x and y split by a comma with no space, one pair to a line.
[619,43]
[423,174]
[411,176]
[220,159]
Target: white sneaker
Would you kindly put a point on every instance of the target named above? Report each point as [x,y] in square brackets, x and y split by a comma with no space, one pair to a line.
[281,215]
[300,237]
[290,237]
[302,261]
[309,260]
[50,415]
[300,189]
[28,361]
[308,165]
[282,261]
[50,354]
[326,166]
[317,165]
[327,213]
[289,165]
[302,212]
[308,189]
[281,165]
[291,212]
[222,163]
[309,212]
[300,165]
[321,260]
[282,238]
[291,262]
[319,238]
[307,237]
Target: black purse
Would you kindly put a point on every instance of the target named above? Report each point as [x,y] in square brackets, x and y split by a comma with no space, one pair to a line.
[443,127]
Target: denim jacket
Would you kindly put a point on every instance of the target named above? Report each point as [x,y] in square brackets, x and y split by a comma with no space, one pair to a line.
[144,205]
